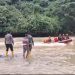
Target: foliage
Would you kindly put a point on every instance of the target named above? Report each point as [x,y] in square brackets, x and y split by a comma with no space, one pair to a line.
[37,16]
[11,19]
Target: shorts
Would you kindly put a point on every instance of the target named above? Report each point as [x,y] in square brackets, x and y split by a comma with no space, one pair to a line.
[9,46]
[25,48]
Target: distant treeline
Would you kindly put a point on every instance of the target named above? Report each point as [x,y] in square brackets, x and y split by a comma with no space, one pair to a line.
[40,17]
[23,34]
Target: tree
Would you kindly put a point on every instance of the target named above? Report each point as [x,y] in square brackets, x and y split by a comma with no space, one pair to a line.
[12,19]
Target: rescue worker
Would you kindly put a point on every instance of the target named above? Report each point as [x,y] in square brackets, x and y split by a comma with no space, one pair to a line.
[9,42]
[67,36]
[63,37]
[31,42]
[25,46]
[60,37]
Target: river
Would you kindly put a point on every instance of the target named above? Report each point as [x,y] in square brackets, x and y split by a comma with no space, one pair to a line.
[58,59]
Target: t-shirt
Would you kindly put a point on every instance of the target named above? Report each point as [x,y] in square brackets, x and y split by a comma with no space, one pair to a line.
[9,39]
[25,41]
[30,39]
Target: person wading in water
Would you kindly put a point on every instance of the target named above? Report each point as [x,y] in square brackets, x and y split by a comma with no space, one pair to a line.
[25,46]
[31,42]
[9,42]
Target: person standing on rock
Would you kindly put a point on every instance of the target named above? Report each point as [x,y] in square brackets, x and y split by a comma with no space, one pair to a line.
[9,42]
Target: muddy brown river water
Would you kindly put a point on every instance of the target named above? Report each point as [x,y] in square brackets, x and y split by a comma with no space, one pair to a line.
[44,59]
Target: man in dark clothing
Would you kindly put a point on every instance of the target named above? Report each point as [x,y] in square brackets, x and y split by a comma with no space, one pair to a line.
[31,42]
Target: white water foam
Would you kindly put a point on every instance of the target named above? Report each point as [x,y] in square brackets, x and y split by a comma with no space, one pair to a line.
[48,44]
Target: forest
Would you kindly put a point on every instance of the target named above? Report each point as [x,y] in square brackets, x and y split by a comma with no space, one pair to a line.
[40,17]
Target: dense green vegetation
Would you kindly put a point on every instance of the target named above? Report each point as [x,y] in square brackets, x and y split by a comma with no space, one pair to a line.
[40,17]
